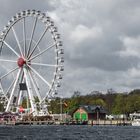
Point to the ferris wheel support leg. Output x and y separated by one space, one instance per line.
20 93
30 92
13 90
27 102
19 100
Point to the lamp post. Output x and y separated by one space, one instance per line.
97 110
61 108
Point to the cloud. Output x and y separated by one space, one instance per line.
101 41
131 46
82 33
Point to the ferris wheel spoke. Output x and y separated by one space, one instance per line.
24 36
42 52
11 48
3 91
4 60
1 49
41 77
10 86
41 37
31 39
35 85
17 40
41 64
46 96
8 73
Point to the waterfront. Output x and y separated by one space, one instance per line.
73 132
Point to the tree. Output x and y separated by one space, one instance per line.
109 99
119 105
1 107
133 103
76 94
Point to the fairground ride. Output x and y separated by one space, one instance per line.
31 62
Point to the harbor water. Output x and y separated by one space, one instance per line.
69 132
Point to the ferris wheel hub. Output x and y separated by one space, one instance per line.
21 62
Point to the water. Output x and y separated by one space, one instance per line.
66 132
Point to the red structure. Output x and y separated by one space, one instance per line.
21 62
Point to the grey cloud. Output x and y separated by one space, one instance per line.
10 8
104 55
91 62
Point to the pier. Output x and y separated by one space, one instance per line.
110 122
92 123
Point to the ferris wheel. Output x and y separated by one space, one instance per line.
31 61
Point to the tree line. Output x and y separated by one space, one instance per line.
113 102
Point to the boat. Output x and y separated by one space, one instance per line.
136 122
135 117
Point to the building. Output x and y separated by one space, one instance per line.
89 112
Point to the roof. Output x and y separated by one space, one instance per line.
93 108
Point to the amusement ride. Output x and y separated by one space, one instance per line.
31 62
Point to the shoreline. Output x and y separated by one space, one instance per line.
92 123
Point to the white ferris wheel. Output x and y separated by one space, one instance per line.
31 61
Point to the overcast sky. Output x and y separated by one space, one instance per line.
101 41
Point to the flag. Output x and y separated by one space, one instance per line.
21 109
65 104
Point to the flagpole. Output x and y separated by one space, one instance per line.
61 108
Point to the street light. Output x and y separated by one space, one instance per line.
61 108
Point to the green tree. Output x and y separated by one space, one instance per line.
119 105
133 103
